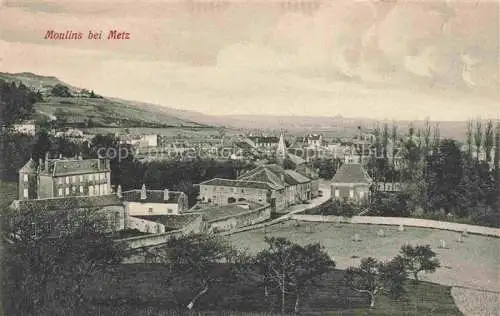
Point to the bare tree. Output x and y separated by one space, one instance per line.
291 268
478 138
375 278
489 140
469 135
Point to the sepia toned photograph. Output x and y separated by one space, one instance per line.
249 157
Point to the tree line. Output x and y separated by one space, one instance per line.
438 177
16 102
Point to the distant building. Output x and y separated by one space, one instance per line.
265 141
148 140
313 140
351 182
153 202
60 177
25 127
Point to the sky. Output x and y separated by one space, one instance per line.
384 59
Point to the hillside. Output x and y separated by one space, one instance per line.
80 109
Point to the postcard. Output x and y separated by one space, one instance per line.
249 157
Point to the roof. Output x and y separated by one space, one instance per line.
351 173
240 184
171 221
265 139
216 213
152 196
66 203
297 160
29 167
263 174
275 174
75 166
297 176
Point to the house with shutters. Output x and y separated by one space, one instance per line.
62 177
352 183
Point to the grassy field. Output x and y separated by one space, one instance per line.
107 112
472 263
150 290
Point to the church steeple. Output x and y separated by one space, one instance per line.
281 150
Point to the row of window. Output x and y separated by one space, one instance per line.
151 210
101 189
82 177
225 189
351 193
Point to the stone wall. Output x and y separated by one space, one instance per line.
249 218
412 222
144 226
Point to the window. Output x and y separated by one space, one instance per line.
60 192
169 211
67 191
242 190
73 189
25 193
67 180
25 177
105 189
91 177
361 194
337 193
150 210
351 193
81 178
60 180
73 179
81 189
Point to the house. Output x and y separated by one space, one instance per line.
61 177
264 141
313 140
25 127
297 187
220 192
153 202
351 182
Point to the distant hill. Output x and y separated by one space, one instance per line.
116 112
100 111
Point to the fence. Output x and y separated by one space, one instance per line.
412 222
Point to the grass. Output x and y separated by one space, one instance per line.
143 289
108 112
472 263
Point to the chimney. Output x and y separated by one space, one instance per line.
119 191
46 162
143 192
166 195
60 156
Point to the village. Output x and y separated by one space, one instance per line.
249 158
